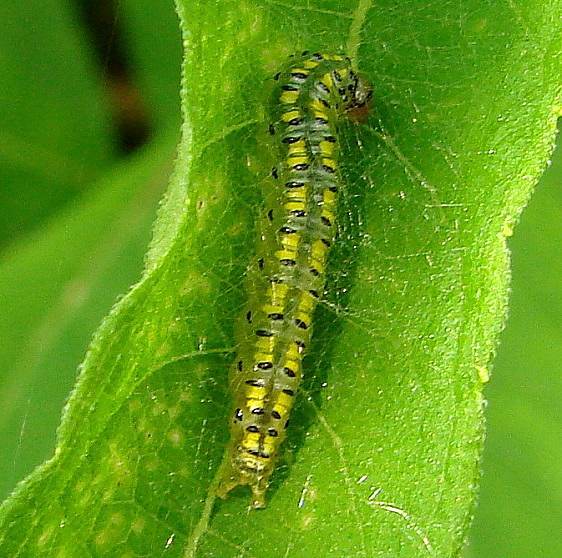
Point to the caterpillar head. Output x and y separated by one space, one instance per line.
361 97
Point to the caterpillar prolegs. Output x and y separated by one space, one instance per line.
311 97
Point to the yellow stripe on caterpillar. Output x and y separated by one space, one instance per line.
289 97
291 115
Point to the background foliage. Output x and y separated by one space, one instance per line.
78 219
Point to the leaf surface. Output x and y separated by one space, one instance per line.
520 504
383 455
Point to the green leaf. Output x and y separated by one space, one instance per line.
383 451
56 285
521 500
56 135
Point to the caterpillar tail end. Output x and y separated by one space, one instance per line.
231 478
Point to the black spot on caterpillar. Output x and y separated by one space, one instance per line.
311 96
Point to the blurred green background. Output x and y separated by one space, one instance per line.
89 107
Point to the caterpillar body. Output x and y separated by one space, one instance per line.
287 278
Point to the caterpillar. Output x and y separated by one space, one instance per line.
287 279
